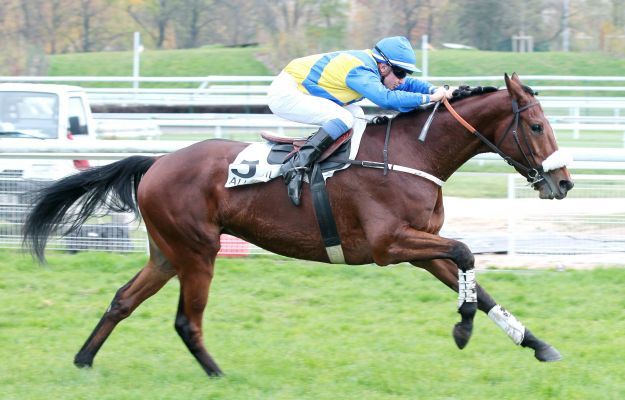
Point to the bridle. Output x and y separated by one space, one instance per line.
534 171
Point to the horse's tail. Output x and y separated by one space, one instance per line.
113 186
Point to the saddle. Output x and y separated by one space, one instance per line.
291 145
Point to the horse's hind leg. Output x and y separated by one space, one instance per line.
147 282
514 328
446 271
195 280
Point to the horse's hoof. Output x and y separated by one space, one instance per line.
547 354
82 363
215 374
212 369
462 335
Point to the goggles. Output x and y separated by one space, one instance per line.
399 72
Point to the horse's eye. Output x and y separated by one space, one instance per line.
537 128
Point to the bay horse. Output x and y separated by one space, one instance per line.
382 218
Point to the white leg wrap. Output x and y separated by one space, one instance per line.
466 287
508 323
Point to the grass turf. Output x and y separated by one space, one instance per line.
283 329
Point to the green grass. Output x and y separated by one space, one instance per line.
185 63
607 139
484 185
245 61
471 63
298 330
480 63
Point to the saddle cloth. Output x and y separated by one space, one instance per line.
260 162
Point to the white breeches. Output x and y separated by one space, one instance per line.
286 101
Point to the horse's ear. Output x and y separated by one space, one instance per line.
507 80
513 84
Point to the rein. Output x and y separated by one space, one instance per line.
535 174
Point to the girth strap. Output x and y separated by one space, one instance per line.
390 167
325 218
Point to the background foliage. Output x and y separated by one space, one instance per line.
32 29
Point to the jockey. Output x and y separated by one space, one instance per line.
321 89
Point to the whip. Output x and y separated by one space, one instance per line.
426 127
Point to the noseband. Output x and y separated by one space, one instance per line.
533 170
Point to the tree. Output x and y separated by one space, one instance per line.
371 20
329 32
409 16
22 44
12 55
288 25
51 23
92 14
237 21
155 17
481 23
192 20
618 14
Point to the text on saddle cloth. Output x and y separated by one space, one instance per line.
253 163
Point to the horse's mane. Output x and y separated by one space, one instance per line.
529 90
462 92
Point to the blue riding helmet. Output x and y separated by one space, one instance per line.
398 51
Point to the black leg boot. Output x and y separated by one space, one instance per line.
294 168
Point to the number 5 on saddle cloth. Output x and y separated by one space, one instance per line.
260 162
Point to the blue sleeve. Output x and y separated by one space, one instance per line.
367 82
416 86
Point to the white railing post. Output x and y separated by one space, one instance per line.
424 56
136 60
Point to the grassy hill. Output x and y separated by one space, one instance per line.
244 61
195 62
461 62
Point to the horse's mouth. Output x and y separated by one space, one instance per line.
547 189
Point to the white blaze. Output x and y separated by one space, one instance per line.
557 160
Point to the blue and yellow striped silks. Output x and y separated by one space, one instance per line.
345 77
325 75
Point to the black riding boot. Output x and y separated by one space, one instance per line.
294 168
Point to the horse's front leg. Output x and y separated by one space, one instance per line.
411 245
445 271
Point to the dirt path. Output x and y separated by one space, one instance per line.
491 216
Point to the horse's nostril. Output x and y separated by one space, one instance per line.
566 185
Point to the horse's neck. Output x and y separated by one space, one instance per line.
457 145
448 144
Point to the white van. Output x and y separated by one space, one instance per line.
33 113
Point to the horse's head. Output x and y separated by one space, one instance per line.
530 142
